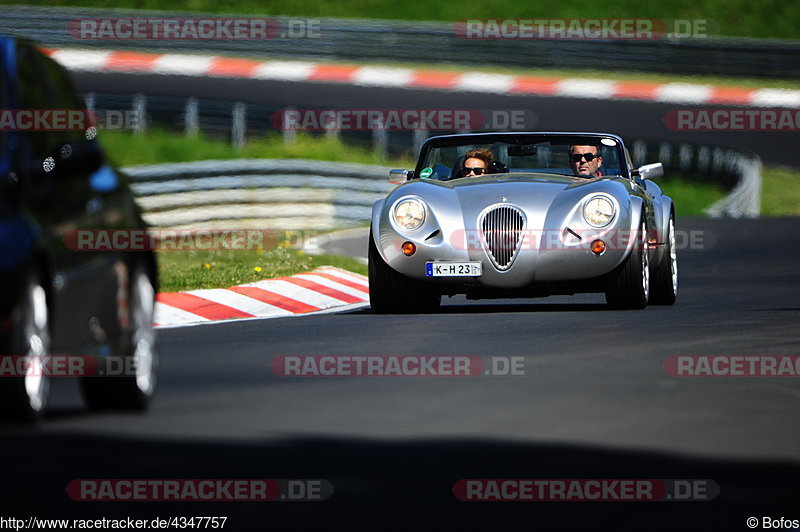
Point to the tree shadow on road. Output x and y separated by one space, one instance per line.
387 484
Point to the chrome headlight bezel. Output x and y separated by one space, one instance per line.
594 222
414 202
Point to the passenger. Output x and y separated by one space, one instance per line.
585 161
477 162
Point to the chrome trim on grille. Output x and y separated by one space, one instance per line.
502 229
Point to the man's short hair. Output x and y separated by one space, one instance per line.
598 148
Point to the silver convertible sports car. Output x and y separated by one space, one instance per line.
520 215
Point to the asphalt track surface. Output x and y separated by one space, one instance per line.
630 119
595 402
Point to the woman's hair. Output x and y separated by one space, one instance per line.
484 154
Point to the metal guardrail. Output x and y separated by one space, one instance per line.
734 170
258 193
299 194
435 42
745 199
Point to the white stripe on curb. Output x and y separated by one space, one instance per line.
379 76
683 93
166 315
283 295
344 274
333 284
239 302
187 65
479 82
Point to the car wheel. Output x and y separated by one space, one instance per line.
664 290
24 398
629 285
394 293
134 389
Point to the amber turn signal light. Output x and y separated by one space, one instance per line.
598 247
409 248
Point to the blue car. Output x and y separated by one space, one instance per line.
62 306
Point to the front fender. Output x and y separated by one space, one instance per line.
377 209
637 208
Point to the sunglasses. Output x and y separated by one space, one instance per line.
576 157
477 170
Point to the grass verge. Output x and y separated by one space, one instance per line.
691 198
125 148
780 192
190 270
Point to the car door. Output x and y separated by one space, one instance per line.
57 164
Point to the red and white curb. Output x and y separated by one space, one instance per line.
375 76
324 289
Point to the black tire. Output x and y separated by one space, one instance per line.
394 293
629 285
134 389
24 398
664 288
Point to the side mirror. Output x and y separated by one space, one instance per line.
649 171
397 177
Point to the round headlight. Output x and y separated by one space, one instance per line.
598 211
409 213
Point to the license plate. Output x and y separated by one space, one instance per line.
452 269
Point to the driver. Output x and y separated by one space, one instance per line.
585 161
476 162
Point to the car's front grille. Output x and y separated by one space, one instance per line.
502 229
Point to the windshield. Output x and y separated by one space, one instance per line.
571 156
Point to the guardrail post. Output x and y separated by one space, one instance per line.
139 113
335 129
191 117
685 156
239 126
289 133
380 140
718 161
639 153
703 159
665 154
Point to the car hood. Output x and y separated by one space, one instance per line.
532 192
